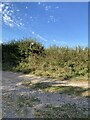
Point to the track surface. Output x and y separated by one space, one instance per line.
12 88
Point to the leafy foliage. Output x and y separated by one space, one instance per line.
29 56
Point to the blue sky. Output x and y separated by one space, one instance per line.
57 23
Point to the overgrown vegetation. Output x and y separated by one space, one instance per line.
30 56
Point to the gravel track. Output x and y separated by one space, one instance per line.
12 87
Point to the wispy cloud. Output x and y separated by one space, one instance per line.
47 8
10 19
8 16
57 7
1 6
39 3
39 36
59 42
42 38
52 19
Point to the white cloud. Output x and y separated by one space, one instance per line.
26 7
42 38
1 7
6 7
54 40
57 42
7 20
33 32
57 7
52 19
21 23
30 17
47 8
39 36
8 16
39 3
17 10
48 21
0 10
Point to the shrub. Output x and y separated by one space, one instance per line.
28 56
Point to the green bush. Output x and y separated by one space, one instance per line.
30 56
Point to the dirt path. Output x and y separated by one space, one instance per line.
20 101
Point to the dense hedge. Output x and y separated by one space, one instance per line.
16 51
30 56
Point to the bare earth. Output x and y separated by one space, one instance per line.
12 87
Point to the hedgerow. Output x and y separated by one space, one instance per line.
30 56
